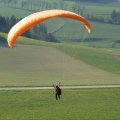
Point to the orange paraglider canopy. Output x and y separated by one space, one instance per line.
36 18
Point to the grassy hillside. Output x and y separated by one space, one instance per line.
100 32
35 66
31 65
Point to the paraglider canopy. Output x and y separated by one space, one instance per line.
36 18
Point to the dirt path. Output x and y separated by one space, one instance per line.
62 87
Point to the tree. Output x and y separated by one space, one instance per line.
74 7
7 24
51 38
55 5
114 16
62 4
34 4
8 2
15 2
27 4
12 21
5 2
23 4
43 4
38 32
27 34
35 29
38 5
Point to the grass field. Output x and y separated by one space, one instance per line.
75 104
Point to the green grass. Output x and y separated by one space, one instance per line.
92 104
104 31
92 56
100 9
100 58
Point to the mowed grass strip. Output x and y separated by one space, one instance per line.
92 104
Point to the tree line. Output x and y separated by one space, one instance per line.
38 5
39 32
35 5
113 18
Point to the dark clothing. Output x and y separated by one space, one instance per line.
57 96
57 92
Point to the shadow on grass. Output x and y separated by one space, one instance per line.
86 40
95 39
